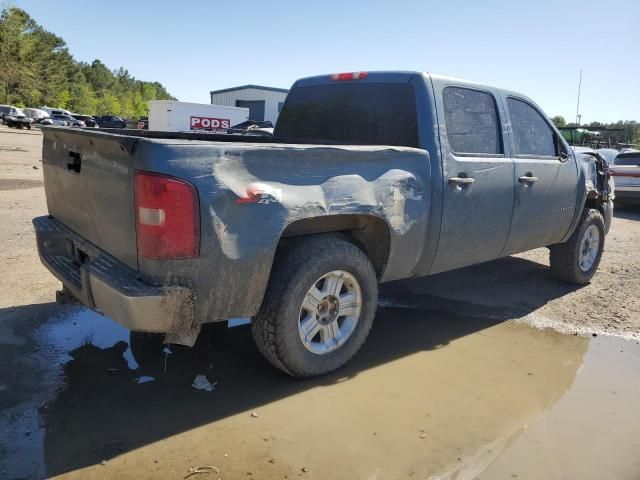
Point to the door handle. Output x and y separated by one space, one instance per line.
462 180
527 179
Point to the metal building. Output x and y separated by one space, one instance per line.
264 103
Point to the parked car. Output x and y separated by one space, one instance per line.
297 230
15 113
4 109
40 117
56 111
111 121
252 127
71 122
35 114
88 120
17 119
140 124
626 172
54 121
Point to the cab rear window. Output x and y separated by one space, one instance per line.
351 113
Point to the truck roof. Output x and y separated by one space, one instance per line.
401 76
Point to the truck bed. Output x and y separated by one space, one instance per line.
89 182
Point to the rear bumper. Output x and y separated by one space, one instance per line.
108 286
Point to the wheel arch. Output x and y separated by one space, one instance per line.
368 232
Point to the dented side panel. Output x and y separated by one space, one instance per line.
250 193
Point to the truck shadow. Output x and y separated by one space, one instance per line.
627 211
104 410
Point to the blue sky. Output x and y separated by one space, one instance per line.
535 47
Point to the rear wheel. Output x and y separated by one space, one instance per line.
318 308
577 260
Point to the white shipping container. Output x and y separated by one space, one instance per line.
174 116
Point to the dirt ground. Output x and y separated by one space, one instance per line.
492 371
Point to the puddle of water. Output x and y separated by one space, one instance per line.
85 327
238 322
430 396
593 431
21 443
435 400
22 433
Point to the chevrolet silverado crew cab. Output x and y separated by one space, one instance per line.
369 177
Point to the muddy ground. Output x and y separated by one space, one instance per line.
487 372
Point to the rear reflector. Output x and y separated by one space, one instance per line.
349 76
167 217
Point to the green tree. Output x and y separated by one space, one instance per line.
37 69
15 72
559 121
108 104
62 99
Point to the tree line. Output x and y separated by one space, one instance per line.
622 131
36 69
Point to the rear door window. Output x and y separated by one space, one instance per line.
471 118
532 135
351 113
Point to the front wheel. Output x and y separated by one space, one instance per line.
577 260
318 308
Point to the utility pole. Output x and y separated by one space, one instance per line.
578 106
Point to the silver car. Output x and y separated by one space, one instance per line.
626 171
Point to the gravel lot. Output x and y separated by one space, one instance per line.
453 363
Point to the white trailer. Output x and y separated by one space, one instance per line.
174 116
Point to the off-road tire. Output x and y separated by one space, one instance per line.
564 257
296 267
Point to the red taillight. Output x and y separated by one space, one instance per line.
349 76
167 217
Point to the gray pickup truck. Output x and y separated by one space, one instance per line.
369 177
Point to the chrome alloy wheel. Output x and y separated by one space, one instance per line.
589 248
330 312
